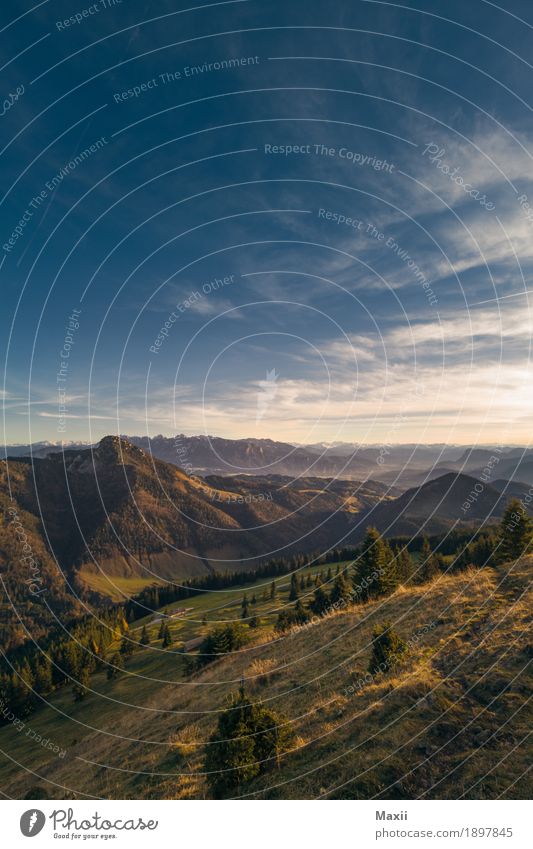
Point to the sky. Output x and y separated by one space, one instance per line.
302 221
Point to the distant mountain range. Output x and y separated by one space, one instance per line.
443 502
402 465
112 519
116 511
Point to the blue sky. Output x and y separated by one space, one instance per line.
207 209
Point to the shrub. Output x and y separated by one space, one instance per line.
248 741
388 649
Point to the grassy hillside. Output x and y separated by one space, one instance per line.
450 721
115 512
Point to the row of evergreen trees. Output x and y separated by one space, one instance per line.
251 738
155 597
68 657
376 571
30 673
379 568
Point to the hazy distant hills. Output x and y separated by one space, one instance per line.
403 466
438 504
113 519
115 511
214 455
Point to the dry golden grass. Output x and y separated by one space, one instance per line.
449 722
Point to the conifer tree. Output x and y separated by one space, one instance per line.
126 647
428 565
387 581
300 613
249 740
145 637
293 592
404 568
515 531
116 665
80 688
273 590
341 591
167 638
370 564
320 602
387 649
43 677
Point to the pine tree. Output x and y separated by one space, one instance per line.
515 531
273 590
161 632
404 566
167 638
80 688
254 600
284 621
43 677
126 647
145 637
300 613
387 649
371 563
21 698
293 592
341 591
429 564
221 640
101 651
249 740
320 602
116 665
387 581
